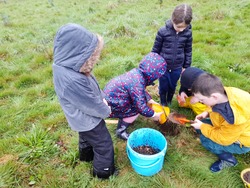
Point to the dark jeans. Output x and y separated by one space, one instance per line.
167 85
99 138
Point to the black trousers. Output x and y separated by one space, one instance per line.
99 138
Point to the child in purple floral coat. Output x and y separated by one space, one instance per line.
127 95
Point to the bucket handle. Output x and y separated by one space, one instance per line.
159 160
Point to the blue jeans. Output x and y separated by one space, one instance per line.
219 149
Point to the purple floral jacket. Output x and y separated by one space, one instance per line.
127 95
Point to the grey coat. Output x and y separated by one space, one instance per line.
80 96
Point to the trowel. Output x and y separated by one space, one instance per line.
179 119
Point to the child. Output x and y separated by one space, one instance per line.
76 50
185 98
174 43
127 95
228 129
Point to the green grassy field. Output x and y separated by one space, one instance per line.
38 149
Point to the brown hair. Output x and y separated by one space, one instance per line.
88 66
182 13
207 84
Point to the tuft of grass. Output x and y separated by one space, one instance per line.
121 31
9 176
38 143
6 20
26 81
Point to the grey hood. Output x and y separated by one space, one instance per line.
79 95
73 45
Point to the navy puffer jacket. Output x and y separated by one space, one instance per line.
175 48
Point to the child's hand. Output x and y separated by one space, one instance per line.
202 115
196 124
104 100
156 116
182 98
151 101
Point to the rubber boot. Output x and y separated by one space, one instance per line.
121 131
163 100
225 160
105 173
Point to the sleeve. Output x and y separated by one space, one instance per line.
222 133
188 52
139 97
103 94
82 96
148 96
158 43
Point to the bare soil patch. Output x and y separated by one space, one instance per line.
6 158
169 128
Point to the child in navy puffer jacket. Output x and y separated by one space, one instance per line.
127 95
174 43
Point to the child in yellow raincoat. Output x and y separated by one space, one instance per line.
225 128
185 98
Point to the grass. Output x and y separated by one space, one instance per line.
38 149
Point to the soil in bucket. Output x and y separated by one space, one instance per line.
146 150
246 177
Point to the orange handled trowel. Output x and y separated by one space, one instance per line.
179 119
184 120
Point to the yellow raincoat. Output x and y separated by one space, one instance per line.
224 133
197 108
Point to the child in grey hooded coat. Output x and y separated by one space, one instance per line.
76 50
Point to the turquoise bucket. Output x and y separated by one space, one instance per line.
146 165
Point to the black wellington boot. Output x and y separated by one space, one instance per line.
121 131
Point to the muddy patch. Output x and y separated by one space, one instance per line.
170 129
